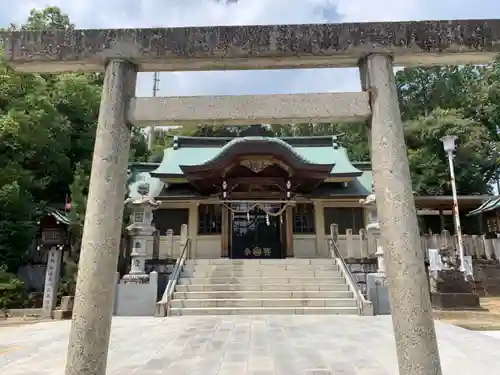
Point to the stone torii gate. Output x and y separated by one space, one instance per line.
373 47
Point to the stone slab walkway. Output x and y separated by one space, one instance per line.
238 345
495 334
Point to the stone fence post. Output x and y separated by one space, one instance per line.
170 243
184 239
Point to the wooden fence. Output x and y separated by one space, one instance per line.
363 245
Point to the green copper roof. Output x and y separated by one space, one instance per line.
59 215
198 150
489 205
358 186
191 152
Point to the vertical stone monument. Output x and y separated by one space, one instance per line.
376 285
51 280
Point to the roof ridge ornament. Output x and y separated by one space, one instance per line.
335 143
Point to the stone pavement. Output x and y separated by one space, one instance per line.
492 334
234 345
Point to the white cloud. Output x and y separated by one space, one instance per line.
171 13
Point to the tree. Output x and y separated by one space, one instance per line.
429 167
11 290
18 213
473 91
78 195
48 18
47 133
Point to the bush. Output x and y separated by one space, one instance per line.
67 283
12 292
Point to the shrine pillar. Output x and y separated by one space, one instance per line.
95 288
414 331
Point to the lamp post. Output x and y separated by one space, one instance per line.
449 147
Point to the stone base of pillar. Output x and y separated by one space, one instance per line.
66 310
136 278
455 301
450 290
378 293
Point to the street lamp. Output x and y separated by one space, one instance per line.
449 147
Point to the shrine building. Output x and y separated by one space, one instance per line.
264 197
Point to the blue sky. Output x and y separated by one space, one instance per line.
157 13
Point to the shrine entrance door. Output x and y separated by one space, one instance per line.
256 235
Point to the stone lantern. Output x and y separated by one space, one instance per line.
376 284
141 231
373 228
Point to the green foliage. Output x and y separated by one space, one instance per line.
67 283
430 171
48 122
47 133
463 101
12 293
78 190
18 215
49 18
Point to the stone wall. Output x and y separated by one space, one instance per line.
360 268
33 276
304 246
133 299
449 281
487 277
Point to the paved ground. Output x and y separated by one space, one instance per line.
268 345
495 334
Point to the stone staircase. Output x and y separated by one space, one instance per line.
271 286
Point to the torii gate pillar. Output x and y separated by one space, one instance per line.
95 288
411 310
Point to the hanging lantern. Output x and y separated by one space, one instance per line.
224 188
281 219
288 188
248 215
268 221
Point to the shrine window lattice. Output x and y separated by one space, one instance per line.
346 218
209 219
172 218
51 235
303 219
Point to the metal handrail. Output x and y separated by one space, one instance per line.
335 253
174 277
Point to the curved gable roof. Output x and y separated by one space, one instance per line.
196 151
258 146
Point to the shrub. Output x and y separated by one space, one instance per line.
12 292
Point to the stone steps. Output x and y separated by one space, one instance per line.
256 262
265 311
236 294
264 267
267 286
260 280
260 287
275 273
247 302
